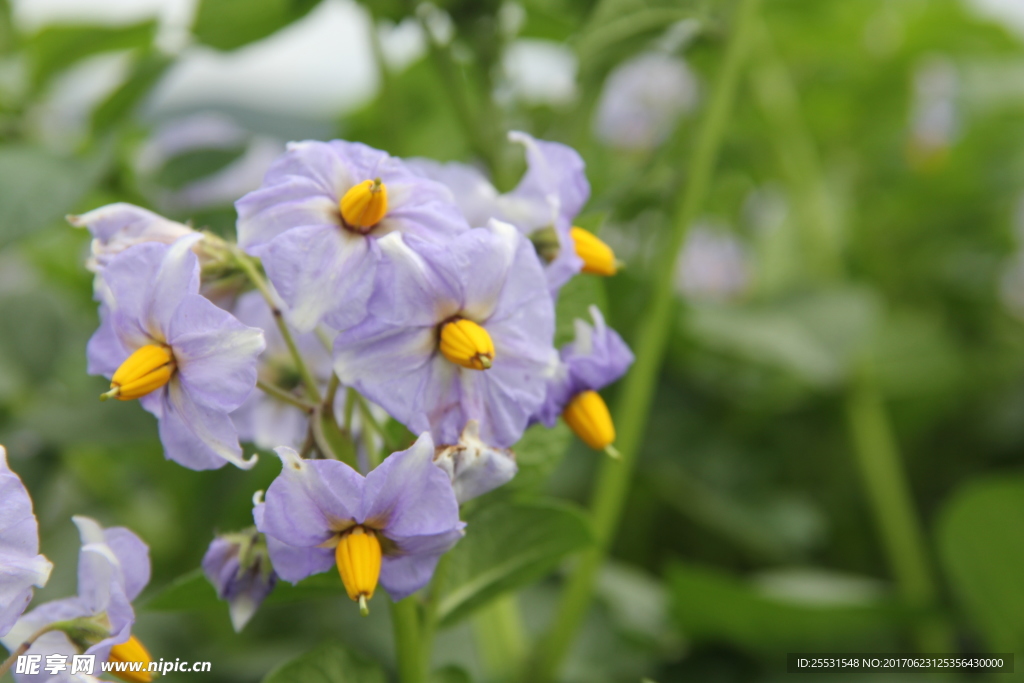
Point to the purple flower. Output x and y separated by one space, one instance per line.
116 227
490 278
113 568
642 100
316 221
542 207
314 507
239 568
189 362
21 565
474 467
595 359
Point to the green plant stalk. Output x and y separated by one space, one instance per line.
875 447
429 629
405 622
253 273
498 631
283 396
641 382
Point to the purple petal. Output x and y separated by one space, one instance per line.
194 436
116 227
476 197
555 174
598 356
418 282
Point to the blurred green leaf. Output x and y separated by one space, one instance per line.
188 592
228 24
450 674
617 21
57 47
712 606
574 302
538 454
38 188
33 331
328 663
123 101
185 168
507 547
981 544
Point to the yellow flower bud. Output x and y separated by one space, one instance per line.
598 257
364 205
358 557
146 370
132 651
465 343
587 415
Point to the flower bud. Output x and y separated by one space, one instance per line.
587 415
465 343
145 371
238 566
132 651
358 556
598 257
365 205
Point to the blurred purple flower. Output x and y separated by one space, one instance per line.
406 501
473 466
642 100
239 568
712 266
595 359
113 568
323 267
155 302
542 206
489 276
21 565
115 227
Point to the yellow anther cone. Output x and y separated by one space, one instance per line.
365 205
587 415
465 343
146 370
132 651
358 556
598 257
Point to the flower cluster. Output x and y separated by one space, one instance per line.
113 568
362 290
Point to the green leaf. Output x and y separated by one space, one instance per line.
188 592
57 47
712 606
982 547
574 302
450 674
507 547
38 188
185 168
228 24
538 454
330 662
122 102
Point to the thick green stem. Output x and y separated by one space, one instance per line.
498 631
889 494
406 625
640 384
429 629
253 273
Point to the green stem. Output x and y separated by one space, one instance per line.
639 386
430 610
282 395
889 493
498 631
405 622
252 272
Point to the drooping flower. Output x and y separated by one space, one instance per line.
316 221
21 565
473 466
238 566
115 227
642 100
392 525
455 333
113 568
190 363
542 206
595 359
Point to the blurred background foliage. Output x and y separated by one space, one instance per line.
854 286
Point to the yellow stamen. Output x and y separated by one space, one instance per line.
588 416
358 557
465 343
132 651
365 205
598 257
146 370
